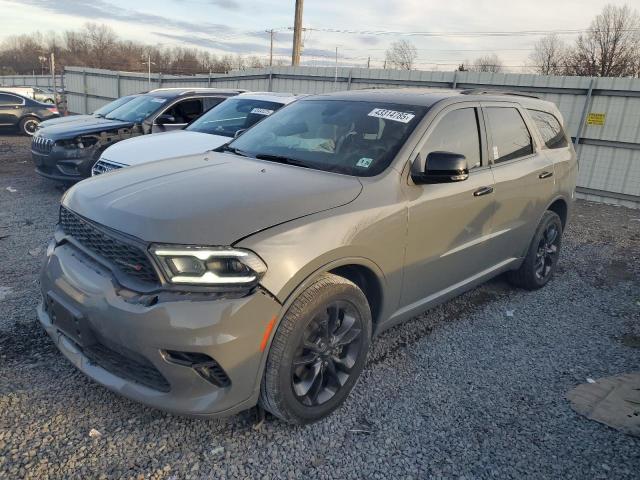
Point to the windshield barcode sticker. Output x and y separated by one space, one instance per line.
402 117
261 111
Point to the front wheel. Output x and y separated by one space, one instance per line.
29 125
542 257
318 351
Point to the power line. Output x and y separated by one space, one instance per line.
459 34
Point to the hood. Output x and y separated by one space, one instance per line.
207 199
68 119
73 129
159 146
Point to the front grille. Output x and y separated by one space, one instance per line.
140 371
103 166
129 259
41 145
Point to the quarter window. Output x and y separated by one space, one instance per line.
457 132
511 138
9 99
550 129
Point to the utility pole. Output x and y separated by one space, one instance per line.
271 33
297 34
368 62
335 79
53 76
149 67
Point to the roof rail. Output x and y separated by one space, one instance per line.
484 91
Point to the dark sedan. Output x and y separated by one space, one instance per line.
24 113
68 151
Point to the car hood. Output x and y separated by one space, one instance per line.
73 129
67 120
207 199
159 146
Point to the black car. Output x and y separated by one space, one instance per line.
24 113
102 112
67 152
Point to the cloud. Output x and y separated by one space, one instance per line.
227 4
96 10
239 47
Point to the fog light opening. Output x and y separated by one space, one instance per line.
202 364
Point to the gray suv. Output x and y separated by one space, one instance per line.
259 273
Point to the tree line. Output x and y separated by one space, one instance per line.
610 47
98 46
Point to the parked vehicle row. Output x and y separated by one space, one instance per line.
231 268
67 152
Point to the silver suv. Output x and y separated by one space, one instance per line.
259 273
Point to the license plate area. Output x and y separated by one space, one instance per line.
69 320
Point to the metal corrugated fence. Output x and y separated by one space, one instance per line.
28 81
603 114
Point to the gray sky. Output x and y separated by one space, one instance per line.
238 26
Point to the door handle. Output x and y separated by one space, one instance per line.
483 191
545 175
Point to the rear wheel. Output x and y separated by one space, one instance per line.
29 125
542 256
318 351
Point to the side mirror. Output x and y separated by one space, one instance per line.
440 167
165 118
239 132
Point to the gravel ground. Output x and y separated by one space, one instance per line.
475 388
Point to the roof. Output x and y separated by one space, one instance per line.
429 96
279 97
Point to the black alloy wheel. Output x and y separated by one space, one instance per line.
329 349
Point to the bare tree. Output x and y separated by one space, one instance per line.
611 46
488 63
402 55
549 56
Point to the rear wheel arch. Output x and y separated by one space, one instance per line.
561 208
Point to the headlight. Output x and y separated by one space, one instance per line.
217 266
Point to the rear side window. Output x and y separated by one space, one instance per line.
9 99
550 129
457 132
511 138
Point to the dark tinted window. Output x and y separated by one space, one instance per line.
6 99
511 138
550 129
186 111
457 132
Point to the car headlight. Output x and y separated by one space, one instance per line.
217 266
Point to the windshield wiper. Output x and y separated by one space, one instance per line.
282 159
227 148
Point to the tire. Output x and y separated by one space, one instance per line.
331 310
29 125
542 257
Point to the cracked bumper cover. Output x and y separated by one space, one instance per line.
228 330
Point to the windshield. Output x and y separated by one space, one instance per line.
350 137
137 109
232 115
111 106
